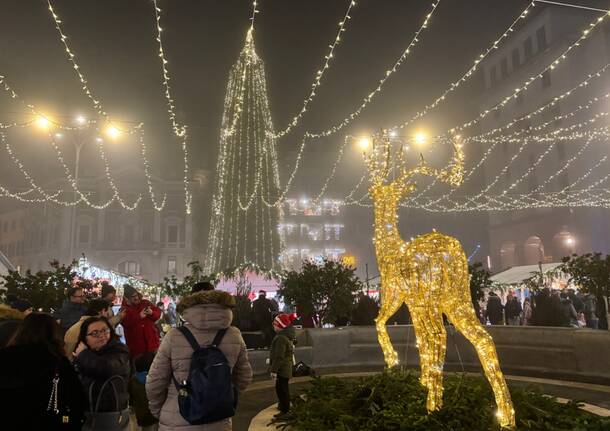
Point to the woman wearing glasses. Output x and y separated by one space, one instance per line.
104 367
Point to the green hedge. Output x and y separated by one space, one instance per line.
395 400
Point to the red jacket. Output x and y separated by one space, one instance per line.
141 335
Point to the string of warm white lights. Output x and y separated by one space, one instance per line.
113 187
524 86
347 120
19 165
97 104
544 108
470 72
483 137
151 192
180 130
320 73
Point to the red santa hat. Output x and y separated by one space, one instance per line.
282 321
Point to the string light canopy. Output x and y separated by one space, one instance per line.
242 228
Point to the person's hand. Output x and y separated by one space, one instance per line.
143 313
273 376
81 346
122 313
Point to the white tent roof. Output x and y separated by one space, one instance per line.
5 264
517 274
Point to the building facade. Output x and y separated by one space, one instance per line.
144 242
313 231
530 236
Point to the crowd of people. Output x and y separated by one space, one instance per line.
546 308
70 370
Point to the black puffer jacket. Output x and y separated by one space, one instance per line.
26 377
95 367
69 314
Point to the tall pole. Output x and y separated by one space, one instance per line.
78 145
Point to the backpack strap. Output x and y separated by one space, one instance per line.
189 337
219 336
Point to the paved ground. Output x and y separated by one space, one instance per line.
261 395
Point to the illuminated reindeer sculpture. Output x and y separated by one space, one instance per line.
429 274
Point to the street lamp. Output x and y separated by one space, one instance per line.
364 144
80 120
112 131
420 138
43 122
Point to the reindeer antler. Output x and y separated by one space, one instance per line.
453 174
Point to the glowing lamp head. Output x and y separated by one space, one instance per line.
570 241
113 132
364 144
80 120
393 134
420 138
43 122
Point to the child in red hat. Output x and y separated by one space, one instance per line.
281 358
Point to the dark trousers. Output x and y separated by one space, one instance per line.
283 394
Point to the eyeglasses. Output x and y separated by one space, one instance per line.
99 333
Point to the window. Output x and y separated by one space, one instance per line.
507 254
528 48
516 58
84 234
171 265
129 268
546 79
504 68
541 38
533 250
172 234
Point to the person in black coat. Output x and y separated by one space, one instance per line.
33 358
99 355
495 309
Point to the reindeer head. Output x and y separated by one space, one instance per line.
391 180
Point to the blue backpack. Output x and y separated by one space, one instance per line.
208 395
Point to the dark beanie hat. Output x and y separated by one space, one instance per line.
21 304
107 288
129 291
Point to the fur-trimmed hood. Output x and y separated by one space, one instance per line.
9 313
206 297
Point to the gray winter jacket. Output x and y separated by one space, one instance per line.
205 313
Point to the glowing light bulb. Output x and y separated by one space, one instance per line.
364 144
113 132
80 120
43 122
420 138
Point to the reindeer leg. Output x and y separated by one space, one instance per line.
431 339
390 303
465 320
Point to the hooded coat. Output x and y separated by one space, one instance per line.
205 313
10 319
141 334
281 355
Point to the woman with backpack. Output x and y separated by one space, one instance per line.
206 334
39 389
104 367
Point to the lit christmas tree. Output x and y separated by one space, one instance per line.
244 224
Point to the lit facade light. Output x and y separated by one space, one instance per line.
81 120
58 136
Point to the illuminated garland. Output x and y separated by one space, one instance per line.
179 130
320 73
